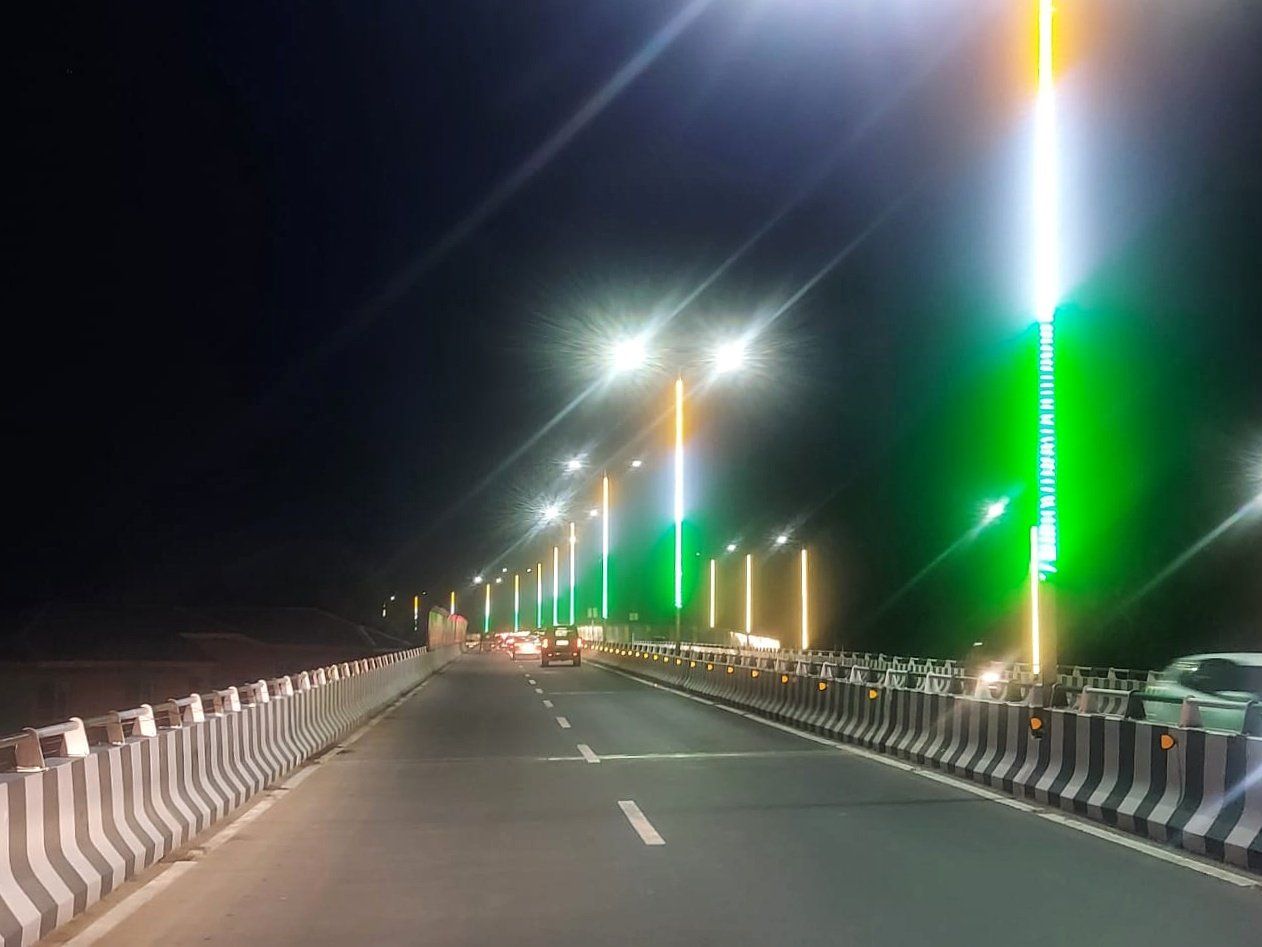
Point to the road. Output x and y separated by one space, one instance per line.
470 815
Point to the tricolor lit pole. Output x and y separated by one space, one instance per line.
416 613
573 548
453 601
555 585
806 596
1044 546
713 576
679 501
539 595
604 548
516 601
486 611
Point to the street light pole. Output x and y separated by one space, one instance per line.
539 596
556 585
516 601
604 548
573 545
749 596
679 502
806 621
486 612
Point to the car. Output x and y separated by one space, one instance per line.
1226 681
523 646
561 644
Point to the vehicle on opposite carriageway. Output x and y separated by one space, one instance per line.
1228 683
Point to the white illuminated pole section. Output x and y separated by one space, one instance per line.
556 585
486 611
1044 545
573 545
806 626
679 500
749 596
713 575
539 595
604 549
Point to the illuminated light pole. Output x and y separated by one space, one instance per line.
749 596
453 601
604 548
806 622
416 613
486 611
539 595
1035 630
573 549
1044 551
516 601
713 576
556 585
679 501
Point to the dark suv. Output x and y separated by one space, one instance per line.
561 644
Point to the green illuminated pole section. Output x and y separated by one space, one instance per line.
679 500
486 611
556 585
539 595
1044 549
573 549
516 601
604 548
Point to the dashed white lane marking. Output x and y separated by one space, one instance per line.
1111 835
563 723
538 690
547 703
95 931
643 827
588 754
531 680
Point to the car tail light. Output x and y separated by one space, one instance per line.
578 642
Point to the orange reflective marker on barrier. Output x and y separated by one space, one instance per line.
873 693
654 657
679 660
730 669
692 664
709 667
1167 741
784 678
823 686
753 673
1036 725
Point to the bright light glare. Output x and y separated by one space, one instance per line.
729 356
781 539
731 547
574 464
990 677
628 355
499 579
504 570
593 513
637 463
551 513
478 580
994 510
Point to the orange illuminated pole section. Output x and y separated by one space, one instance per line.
749 596
453 602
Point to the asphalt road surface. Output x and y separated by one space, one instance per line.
473 815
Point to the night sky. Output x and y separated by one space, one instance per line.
289 285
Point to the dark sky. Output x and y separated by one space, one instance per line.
288 284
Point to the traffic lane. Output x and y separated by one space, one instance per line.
833 847
615 714
480 707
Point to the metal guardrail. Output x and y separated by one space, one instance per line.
30 750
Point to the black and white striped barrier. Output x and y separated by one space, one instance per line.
77 819
1186 786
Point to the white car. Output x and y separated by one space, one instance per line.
1228 682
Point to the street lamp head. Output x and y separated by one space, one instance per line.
637 463
731 547
551 513
505 569
477 580
782 539
499 579
628 355
593 512
994 510
574 464
729 356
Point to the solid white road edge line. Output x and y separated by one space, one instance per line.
1118 837
148 890
130 905
643 827
563 723
588 754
